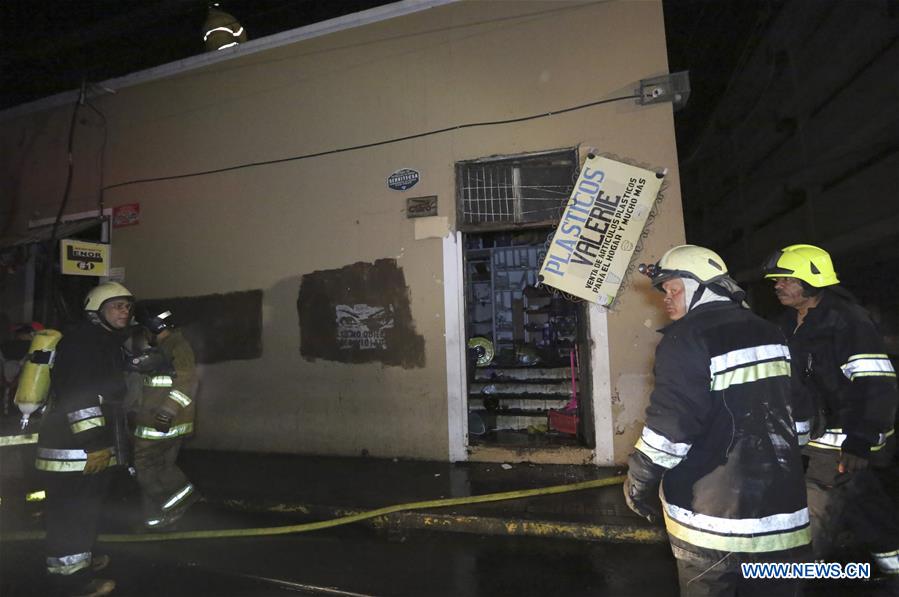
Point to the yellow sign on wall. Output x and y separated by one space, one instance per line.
600 228
82 258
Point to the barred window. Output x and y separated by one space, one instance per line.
510 192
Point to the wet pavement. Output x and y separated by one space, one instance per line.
515 547
359 561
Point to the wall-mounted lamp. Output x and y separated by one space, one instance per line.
674 87
222 30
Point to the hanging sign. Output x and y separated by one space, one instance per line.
82 258
602 223
403 179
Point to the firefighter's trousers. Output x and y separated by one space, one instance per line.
854 509
163 485
698 578
73 507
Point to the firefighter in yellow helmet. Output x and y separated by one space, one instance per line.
77 438
164 419
851 381
719 436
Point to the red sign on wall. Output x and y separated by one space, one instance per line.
126 215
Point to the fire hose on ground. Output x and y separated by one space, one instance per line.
631 534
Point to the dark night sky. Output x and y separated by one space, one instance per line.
48 46
710 39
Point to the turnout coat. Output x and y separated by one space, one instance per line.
721 438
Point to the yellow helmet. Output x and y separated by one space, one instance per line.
808 263
688 261
103 292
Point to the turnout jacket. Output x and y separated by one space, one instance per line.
846 370
720 435
171 390
87 384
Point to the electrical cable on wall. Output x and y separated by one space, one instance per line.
101 155
370 145
49 278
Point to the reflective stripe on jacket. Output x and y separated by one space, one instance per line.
720 434
86 381
171 391
64 461
846 370
144 432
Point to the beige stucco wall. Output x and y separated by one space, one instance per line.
264 227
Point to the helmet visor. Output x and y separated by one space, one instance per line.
773 269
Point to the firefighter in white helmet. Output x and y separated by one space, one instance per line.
164 419
845 369
77 439
719 435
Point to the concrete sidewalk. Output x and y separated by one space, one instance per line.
312 488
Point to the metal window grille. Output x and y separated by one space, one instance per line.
524 190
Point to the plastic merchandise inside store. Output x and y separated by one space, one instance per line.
524 346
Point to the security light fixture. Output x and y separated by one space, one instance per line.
673 87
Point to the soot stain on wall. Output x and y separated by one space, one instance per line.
219 327
359 313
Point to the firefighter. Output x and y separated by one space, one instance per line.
719 435
164 419
846 370
76 445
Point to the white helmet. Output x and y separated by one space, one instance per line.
689 261
106 291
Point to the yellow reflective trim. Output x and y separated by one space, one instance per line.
18 440
178 497
145 432
88 424
814 444
888 562
834 438
741 543
867 366
36 496
180 397
883 443
749 374
663 459
873 355
158 381
65 466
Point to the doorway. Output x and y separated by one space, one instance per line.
526 359
524 354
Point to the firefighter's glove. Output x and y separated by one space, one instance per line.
818 425
97 461
854 455
851 463
642 500
163 421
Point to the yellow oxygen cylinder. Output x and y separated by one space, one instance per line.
34 379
